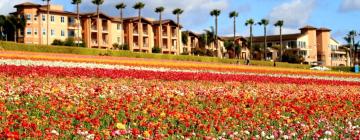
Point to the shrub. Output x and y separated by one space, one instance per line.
57 42
343 69
156 49
124 47
69 42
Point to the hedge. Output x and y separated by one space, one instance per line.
121 53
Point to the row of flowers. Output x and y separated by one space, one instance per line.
169 64
104 108
20 62
12 70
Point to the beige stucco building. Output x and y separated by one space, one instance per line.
315 45
100 33
62 24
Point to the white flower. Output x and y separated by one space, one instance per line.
54 132
263 134
90 137
328 133
247 132
286 137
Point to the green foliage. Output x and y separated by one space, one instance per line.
343 69
184 37
69 42
119 53
121 47
57 42
156 49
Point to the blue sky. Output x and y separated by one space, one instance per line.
338 15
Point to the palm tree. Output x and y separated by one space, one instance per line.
351 36
216 13
160 10
264 22
98 3
77 2
234 15
2 25
121 7
280 24
250 23
178 12
47 20
139 6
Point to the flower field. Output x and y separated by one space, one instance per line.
57 97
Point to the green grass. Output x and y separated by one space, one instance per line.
118 53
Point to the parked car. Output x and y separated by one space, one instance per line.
320 68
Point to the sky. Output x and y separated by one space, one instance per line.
339 15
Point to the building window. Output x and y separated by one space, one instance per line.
52 32
28 17
118 26
52 18
44 31
62 19
303 53
35 31
28 31
71 33
62 33
43 18
35 18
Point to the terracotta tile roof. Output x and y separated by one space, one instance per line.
324 29
308 27
157 22
274 38
27 4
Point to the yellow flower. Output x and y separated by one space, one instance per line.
146 134
120 126
162 115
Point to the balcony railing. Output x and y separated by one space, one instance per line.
135 32
145 32
93 28
164 34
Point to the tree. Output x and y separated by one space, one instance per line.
234 15
77 3
264 23
17 23
250 23
2 26
159 10
280 24
138 6
178 12
121 7
215 13
47 20
98 3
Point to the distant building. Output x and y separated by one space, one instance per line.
102 33
315 45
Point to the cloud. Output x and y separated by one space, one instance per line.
349 5
295 14
195 13
7 6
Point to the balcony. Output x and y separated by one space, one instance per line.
94 42
93 28
136 46
105 29
135 32
146 32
